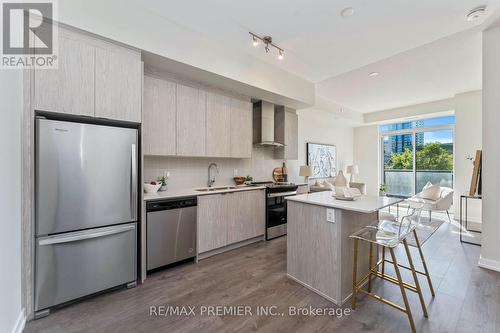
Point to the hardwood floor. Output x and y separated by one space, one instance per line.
467 297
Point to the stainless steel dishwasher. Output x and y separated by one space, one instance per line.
171 231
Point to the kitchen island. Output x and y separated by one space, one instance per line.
319 251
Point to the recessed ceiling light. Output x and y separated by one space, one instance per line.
476 14
373 74
347 12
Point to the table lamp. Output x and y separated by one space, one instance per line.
306 171
353 170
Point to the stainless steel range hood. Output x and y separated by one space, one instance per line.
264 125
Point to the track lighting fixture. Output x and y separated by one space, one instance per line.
267 41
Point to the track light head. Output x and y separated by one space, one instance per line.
255 41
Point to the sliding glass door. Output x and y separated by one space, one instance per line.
398 164
415 153
434 158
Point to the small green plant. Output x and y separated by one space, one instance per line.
249 178
163 180
382 187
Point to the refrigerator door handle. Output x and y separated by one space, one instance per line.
133 184
58 239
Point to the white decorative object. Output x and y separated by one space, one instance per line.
352 170
323 159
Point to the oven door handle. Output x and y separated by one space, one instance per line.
281 194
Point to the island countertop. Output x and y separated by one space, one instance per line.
362 204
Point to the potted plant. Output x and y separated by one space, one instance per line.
248 179
382 189
163 181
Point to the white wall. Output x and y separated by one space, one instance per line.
314 126
10 200
468 139
490 238
320 126
367 157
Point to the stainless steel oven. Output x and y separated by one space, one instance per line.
276 210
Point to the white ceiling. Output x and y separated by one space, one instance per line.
320 45
432 72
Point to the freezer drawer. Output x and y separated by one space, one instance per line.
171 236
72 265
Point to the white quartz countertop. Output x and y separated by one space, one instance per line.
171 194
362 204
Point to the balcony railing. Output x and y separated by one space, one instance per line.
400 182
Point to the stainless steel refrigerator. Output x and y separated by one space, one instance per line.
86 210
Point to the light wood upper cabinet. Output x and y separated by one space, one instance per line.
191 121
212 221
118 84
69 88
94 78
286 131
218 125
159 117
241 128
247 215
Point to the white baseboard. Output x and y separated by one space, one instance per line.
20 322
489 264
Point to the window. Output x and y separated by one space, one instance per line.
417 152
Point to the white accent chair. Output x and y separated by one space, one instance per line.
443 203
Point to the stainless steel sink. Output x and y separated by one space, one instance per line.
220 188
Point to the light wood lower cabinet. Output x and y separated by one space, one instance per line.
212 221
248 215
225 219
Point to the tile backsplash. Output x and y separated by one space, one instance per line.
191 172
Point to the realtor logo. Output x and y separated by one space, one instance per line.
28 35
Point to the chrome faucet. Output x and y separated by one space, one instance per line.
211 179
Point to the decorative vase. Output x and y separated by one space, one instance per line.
340 180
381 193
163 188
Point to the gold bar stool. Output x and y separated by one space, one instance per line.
388 235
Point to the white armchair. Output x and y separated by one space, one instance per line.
442 203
